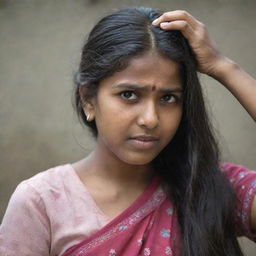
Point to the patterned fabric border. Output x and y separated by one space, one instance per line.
156 199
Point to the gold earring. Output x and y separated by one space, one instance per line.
88 118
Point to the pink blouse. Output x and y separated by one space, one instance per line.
52 211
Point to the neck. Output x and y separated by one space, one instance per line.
105 165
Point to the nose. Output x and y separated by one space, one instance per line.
148 116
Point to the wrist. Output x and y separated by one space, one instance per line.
223 68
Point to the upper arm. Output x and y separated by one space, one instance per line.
243 182
25 229
253 215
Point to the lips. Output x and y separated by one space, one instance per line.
145 138
144 142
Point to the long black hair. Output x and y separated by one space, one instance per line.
189 164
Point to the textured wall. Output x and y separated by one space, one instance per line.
40 44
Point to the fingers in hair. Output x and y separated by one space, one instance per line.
181 25
175 16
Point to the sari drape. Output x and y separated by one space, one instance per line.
147 227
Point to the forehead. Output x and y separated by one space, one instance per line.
150 69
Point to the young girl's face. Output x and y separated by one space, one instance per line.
145 99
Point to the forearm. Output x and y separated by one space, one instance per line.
238 82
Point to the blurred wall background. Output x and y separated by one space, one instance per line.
40 44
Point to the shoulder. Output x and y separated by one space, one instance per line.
42 182
29 212
49 205
235 171
41 189
47 180
241 178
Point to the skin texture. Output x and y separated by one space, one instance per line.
143 114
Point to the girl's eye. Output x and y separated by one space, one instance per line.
169 98
128 95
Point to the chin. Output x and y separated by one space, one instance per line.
137 160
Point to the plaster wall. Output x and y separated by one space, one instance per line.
40 44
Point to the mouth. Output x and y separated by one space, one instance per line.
144 142
145 138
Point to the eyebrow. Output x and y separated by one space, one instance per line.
146 88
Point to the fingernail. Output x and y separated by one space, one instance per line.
155 22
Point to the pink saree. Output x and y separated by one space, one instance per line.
147 227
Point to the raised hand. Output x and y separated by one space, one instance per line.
204 48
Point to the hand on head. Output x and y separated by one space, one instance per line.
204 48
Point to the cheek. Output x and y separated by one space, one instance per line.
112 108
172 122
113 118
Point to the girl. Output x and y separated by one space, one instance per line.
154 184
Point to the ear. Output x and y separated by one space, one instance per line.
87 102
